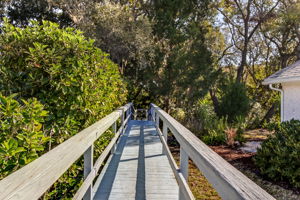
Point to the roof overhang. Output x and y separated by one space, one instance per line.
268 81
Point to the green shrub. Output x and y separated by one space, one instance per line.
205 114
234 102
21 137
213 129
210 127
272 125
179 114
215 132
240 136
214 138
73 80
240 125
279 156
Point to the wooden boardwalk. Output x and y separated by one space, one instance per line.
138 169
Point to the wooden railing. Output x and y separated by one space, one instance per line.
230 183
34 179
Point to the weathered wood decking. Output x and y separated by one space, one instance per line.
138 169
142 166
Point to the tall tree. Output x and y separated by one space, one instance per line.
184 65
283 32
243 19
20 12
128 39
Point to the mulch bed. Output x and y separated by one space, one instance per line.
232 155
244 162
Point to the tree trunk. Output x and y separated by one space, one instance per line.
214 100
240 71
269 114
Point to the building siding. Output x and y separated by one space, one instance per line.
291 101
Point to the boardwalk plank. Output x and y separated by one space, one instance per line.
138 169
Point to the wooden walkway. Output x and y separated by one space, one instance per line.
138 169
141 167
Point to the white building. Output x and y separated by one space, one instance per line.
289 78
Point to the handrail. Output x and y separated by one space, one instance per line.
230 183
185 191
32 180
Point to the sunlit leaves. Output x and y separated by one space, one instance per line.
43 67
21 136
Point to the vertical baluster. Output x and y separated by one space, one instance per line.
88 167
157 119
122 121
125 116
165 134
149 114
127 112
114 130
152 114
184 169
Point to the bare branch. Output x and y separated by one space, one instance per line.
263 19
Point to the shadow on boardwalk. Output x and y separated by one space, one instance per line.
138 169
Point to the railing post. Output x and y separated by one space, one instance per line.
88 167
122 121
146 114
127 112
114 130
157 119
165 134
135 114
184 169
130 112
150 114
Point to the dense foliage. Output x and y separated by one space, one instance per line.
75 81
21 133
210 128
234 102
54 83
184 69
278 157
129 40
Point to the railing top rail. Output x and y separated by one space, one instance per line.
32 180
229 182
